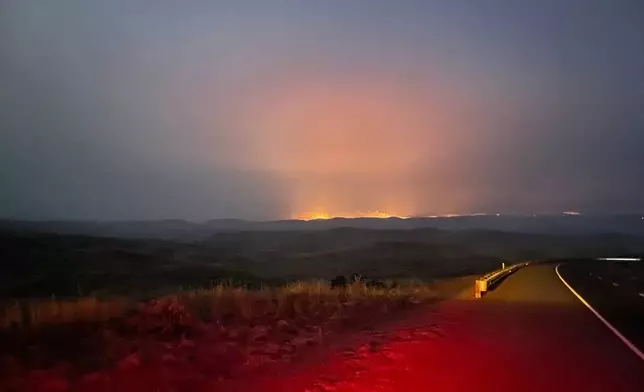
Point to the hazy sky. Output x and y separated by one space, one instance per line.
274 109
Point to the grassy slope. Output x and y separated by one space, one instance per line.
208 335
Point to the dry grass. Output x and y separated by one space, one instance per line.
37 313
300 299
215 333
222 302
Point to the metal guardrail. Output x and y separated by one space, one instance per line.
487 281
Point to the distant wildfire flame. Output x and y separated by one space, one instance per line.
378 214
355 214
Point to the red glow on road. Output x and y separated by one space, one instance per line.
457 346
466 346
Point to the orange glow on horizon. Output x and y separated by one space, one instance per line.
318 215
356 214
357 147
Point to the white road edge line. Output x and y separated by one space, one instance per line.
641 294
601 318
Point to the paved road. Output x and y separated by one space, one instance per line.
529 334
573 346
615 290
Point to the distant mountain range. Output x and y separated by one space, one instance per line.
632 224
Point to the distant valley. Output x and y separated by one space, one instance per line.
175 229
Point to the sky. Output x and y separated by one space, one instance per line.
197 110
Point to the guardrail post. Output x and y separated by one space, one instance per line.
480 286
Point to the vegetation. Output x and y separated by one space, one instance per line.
216 333
37 313
220 302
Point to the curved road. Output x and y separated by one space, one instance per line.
529 334
574 347
615 290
